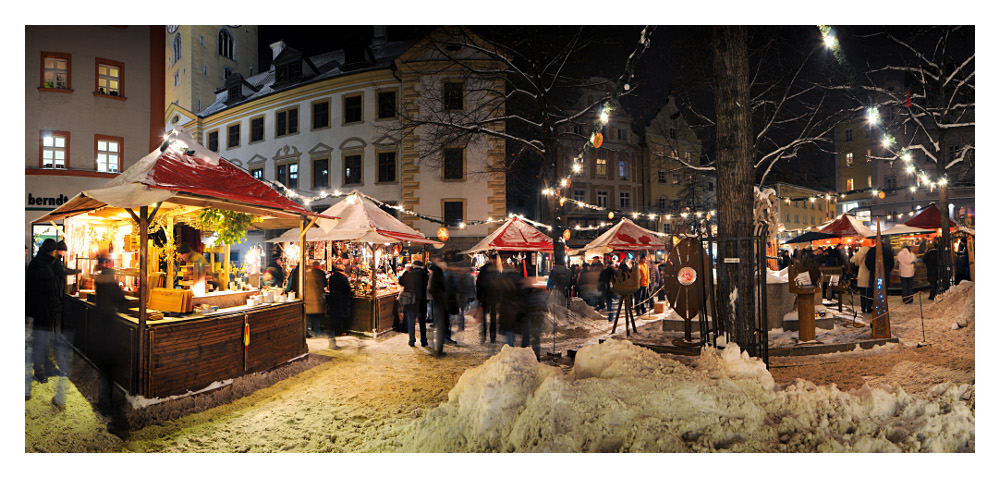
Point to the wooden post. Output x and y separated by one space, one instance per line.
302 287
170 256
226 267
143 294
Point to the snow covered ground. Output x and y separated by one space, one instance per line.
381 395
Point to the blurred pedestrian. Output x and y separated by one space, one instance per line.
109 300
511 303
338 301
604 285
558 283
437 289
643 293
930 260
414 301
315 299
588 284
887 265
489 296
863 274
466 293
43 311
533 301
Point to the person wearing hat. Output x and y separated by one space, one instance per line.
59 266
43 309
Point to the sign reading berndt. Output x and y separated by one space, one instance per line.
47 201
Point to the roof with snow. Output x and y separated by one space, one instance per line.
186 172
330 65
625 236
514 235
928 218
357 218
845 225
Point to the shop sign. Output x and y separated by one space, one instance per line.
46 201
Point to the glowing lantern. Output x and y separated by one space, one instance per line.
566 235
597 140
442 234
881 194
611 215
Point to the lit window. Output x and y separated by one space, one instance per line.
849 159
257 173
109 154
623 170
602 168
55 71
869 182
110 78
849 184
54 148
321 173
287 174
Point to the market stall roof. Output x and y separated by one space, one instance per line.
357 218
183 172
811 236
928 218
514 235
625 236
845 226
900 229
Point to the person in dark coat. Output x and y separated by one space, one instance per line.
414 280
109 300
559 283
437 288
887 264
338 302
59 266
43 308
962 271
293 281
511 303
604 285
533 301
277 274
314 298
587 284
488 296
930 260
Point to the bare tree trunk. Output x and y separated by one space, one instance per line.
945 258
734 154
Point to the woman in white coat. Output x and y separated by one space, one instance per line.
865 291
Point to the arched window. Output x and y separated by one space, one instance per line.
175 49
227 44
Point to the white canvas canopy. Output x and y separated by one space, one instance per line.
514 235
625 236
360 220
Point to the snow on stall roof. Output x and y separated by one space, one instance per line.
619 397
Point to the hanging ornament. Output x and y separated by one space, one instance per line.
597 139
442 234
881 194
566 235
611 215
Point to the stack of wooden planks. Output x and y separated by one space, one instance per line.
170 300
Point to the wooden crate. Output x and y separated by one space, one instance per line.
169 300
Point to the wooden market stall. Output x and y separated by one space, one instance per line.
360 228
514 236
175 341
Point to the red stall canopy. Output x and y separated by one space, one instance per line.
517 236
625 236
845 226
928 218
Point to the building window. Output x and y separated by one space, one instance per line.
213 141
869 182
257 172
661 203
108 153
321 173
849 160
673 133
454 212
177 77
796 218
661 175
453 95
675 178
387 167
55 150
849 184
788 218
175 49
110 78
287 72
56 70
386 104
624 199
227 44
602 168
622 134
953 152
321 114
579 194
666 228
848 135
352 169
198 105
287 174
454 164
201 39
233 136
602 198
257 129
623 170
286 121
352 109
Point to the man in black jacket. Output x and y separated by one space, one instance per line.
488 296
338 302
414 281
887 263
930 260
437 288
604 285
43 308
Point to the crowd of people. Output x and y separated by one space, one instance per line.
858 262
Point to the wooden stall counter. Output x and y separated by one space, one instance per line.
374 317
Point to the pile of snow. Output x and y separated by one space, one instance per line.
619 397
959 302
777 276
